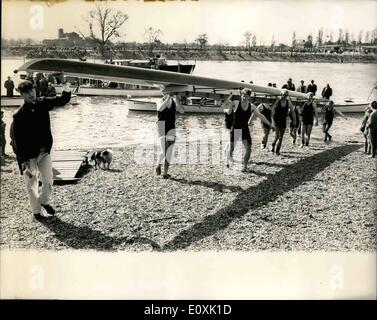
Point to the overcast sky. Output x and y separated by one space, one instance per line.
223 21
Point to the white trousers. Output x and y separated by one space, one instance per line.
40 169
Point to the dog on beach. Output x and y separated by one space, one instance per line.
104 157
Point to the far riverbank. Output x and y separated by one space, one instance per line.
213 55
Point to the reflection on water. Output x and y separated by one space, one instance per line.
104 122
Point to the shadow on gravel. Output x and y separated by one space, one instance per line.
85 238
288 178
214 185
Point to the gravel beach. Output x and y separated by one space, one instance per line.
321 198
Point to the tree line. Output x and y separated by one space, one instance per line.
104 35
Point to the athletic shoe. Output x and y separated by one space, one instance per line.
166 176
38 217
49 209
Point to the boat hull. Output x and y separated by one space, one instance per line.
352 107
15 101
92 91
146 106
137 105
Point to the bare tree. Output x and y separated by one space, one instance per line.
247 36
104 24
374 36
331 38
360 37
254 41
346 37
294 40
273 42
340 36
202 40
367 37
152 35
320 37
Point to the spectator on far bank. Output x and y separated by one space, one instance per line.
302 87
9 85
312 87
51 92
289 85
327 92
43 86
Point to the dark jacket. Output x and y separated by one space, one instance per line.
326 93
31 129
9 85
312 88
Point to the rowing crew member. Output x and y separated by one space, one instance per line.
166 130
329 112
280 110
32 142
241 111
265 109
308 112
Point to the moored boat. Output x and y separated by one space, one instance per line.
193 105
351 107
17 101
14 101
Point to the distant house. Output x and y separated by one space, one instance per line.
300 44
331 48
65 39
368 48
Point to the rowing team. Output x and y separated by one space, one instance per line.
239 112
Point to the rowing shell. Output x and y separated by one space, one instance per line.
185 84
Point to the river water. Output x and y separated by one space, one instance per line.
98 122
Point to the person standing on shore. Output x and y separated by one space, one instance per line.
32 142
280 111
308 112
9 85
166 130
312 87
364 130
294 124
240 112
371 126
302 87
265 109
327 92
2 132
329 112
43 86
289 85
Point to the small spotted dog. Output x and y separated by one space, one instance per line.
102 157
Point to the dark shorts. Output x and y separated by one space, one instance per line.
308 122
245 135
281 124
